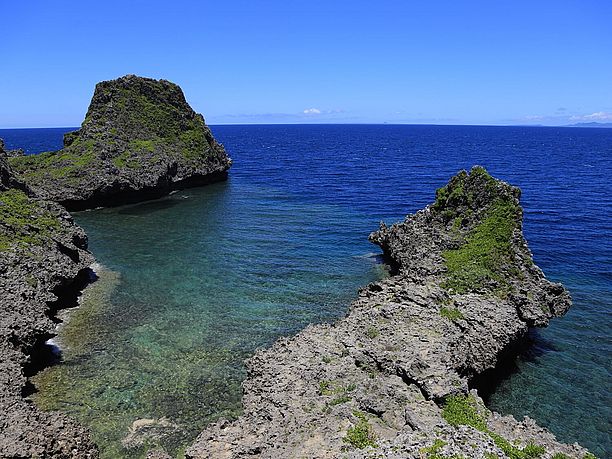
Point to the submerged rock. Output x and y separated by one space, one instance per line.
140 139
392 379
43 262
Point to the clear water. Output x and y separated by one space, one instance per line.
207 275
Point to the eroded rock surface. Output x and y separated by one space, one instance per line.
7 177
43 259
392 378
140 139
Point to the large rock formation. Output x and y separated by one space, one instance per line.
392 379
43 262
140 139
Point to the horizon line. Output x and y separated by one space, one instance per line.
576 125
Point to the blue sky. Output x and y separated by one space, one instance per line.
443 62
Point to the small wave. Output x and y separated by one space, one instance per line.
368 255
54 345
97 267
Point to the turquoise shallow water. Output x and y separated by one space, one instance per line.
207 275
201 288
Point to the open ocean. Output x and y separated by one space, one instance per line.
209 274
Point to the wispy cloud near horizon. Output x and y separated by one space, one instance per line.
308 115
597 116
561 119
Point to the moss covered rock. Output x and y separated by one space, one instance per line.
140 139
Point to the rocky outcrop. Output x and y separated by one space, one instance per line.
140 140
7 177
43 263
10 153
392 379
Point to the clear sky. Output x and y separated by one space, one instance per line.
321 61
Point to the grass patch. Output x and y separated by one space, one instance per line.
62 165
24 222
486 250
432 452
372 332
140 145
340 400
480 261
328 388
361 434
452 314
462 410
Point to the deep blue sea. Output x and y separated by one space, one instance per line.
207 275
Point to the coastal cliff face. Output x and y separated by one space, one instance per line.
392 379
43 262
140 140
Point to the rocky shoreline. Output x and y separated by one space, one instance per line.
139 140
392 379
44 263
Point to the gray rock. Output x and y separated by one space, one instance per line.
376 383
43 262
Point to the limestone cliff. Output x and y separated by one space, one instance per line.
392 379
140 139
43 261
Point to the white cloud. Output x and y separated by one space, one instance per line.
597 116
312 111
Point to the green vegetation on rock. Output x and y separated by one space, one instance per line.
433 451
372 332
23 221
463 410
339 390
361 434
486 250
60 165
452 314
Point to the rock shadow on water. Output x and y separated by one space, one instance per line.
149 207
530 349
